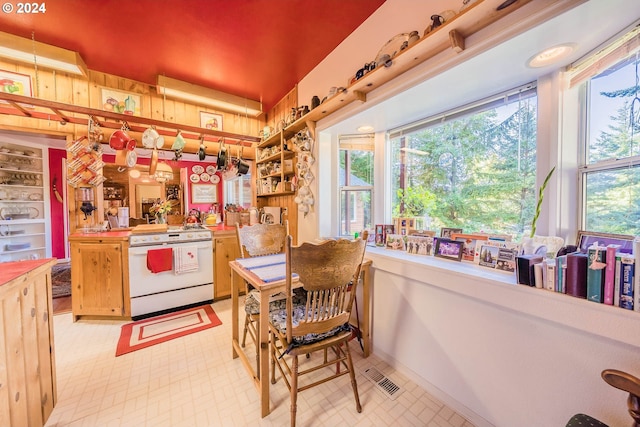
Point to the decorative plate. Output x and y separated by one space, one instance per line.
393 46
215 179
194 177
197 169
204 177
211 169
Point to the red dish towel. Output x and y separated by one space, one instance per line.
159 260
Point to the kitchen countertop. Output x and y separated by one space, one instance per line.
12 270
122 234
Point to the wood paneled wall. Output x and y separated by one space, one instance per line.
87 92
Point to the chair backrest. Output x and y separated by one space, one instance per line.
326 271
261 239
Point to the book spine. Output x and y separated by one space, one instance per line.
551 275
577 275
627 279
561 270
537 273
616 282
595 275
610 273
636 282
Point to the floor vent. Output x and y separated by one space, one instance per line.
383 384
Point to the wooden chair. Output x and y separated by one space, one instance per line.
325 270
258 240
623 381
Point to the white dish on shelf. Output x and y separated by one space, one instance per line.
197 169
17 246
215 179
211 169
194 178
204 177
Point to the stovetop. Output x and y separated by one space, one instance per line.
174 234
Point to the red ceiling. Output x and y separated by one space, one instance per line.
258 49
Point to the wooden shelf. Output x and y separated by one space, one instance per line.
449 36
277 157
279 193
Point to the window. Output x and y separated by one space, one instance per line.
610 167
238 191
356 183
473 168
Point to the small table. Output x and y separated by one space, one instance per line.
270 279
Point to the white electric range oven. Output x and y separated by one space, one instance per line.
165 291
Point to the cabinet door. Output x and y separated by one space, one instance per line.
225 249
97 279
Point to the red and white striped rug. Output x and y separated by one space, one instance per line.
145 333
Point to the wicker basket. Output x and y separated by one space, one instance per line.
231 218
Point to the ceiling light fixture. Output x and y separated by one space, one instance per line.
173 88
365 129
551 55
46 56
163 173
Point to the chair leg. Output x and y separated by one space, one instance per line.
354 384
294 389
257 324
246 326
273 358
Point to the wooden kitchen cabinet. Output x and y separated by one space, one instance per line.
99 278
225 249
27 359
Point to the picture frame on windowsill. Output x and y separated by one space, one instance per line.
587 238
470 242
446 232
449 249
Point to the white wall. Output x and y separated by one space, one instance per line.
502 354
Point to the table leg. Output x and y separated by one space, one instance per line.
234 312
264 354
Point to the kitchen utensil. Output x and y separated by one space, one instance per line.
154 162
119 140
179 142
131 144
222 156
243 166
202 150
149 137
132 158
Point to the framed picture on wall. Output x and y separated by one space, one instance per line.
15 84
120 102
204 193
210 120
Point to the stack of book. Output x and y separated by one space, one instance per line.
603 275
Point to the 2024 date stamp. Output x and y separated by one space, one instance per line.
24 8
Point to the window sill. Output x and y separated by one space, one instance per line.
500 289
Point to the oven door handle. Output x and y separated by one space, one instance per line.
142 250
